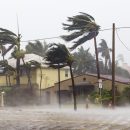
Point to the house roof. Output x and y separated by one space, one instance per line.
105 77
109 77
27 58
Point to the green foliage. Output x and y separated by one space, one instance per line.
58 54
18 54
37 48
126 95
105 97
83 62
105 53
5 89
83 28
8 38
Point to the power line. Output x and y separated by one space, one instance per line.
40 39
121 41
107 29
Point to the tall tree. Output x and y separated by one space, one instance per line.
37 48
105 53
7 70
2 50
7 37
83 28
54 60
58 56
84 62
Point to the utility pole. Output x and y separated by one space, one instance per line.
97 61
59 86
113 65
97 64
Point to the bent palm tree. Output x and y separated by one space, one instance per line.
84 62
37 48
54 60
58 56
2 50
83 28
8 70
9 38
105 52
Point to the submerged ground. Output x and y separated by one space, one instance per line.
41 118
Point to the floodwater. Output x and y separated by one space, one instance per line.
43 118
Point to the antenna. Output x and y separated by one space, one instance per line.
17 24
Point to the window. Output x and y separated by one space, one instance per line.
66 73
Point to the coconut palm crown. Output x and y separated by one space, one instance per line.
83 28
58 54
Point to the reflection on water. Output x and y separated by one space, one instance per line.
41 118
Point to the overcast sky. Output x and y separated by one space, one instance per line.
44 18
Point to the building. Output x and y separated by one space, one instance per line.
45 76
84 85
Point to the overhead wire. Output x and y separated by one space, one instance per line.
121 40
107 29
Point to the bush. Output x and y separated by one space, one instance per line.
125 96
104 98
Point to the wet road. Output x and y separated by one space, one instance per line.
40 118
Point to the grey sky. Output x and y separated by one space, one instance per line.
44 18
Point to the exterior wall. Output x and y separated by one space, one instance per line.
77 80
49 77
3 80
107 84
65 85
24 78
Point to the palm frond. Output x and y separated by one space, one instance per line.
84 39
87 15
8 49
71 36
7 32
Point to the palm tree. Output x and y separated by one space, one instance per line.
37 48
7 37
58 56
83 28
2 50
7 70
84 62
27 66
53 58
105 53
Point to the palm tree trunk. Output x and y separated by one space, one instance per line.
29 78
105 63
59 86
97 61
7 81
18 63
73 88
28 74
40 82
18 72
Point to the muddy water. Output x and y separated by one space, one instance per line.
40 118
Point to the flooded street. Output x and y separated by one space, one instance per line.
40 118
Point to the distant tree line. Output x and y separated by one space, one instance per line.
84 61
